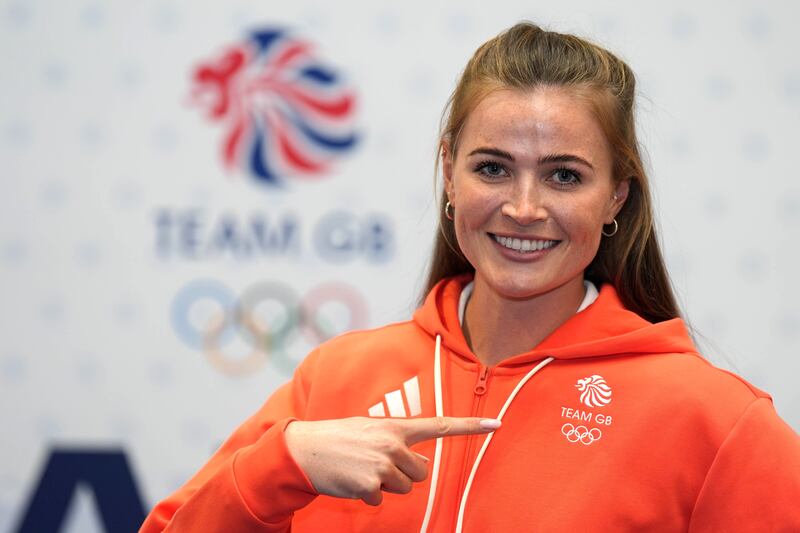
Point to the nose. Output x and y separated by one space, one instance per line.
526 204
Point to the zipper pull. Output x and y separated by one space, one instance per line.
480 385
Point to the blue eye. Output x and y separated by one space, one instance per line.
565 177
490 169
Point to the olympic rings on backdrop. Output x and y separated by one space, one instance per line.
252 317
581 434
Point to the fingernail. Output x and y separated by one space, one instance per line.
490 423
423 457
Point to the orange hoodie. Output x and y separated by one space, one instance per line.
620 426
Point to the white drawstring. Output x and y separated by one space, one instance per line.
463 506
437 456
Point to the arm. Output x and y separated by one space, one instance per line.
754 482
251 483
255 483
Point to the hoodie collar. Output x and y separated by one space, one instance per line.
466 293
603 328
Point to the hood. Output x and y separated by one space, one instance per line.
604 328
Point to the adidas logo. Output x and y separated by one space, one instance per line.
397 401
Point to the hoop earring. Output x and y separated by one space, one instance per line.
449 210
616 228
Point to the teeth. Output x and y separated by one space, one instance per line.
524 245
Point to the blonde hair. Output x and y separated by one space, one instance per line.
526 57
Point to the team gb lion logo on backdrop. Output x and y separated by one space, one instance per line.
594 390
285 113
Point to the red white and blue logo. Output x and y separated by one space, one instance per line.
285 113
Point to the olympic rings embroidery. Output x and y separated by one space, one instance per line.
252 317
581 434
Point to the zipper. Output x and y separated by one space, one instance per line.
479 390
480 385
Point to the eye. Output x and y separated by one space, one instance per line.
565 178
491 169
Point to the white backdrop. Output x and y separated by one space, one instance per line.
100 140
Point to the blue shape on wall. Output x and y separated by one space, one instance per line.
106 472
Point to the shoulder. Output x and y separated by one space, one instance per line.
685 389
377 348
694 374
346 375
394 333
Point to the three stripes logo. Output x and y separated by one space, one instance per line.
400 403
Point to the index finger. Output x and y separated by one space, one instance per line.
419 429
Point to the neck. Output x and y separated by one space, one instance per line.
497 327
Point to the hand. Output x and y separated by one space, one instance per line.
359 457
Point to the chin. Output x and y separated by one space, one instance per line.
519 286
514 288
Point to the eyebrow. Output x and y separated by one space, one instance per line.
552 158
492 151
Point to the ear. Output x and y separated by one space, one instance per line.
447 170
618 200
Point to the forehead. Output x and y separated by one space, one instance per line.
534 122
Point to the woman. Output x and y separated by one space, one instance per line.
451 421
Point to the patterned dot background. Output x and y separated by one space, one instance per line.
116 197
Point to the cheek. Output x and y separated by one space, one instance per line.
469 231
474 208
473 215
582 224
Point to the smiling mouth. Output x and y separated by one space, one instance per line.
523 245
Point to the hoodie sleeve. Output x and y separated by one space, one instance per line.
754 481
251 483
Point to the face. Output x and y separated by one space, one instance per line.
531 184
